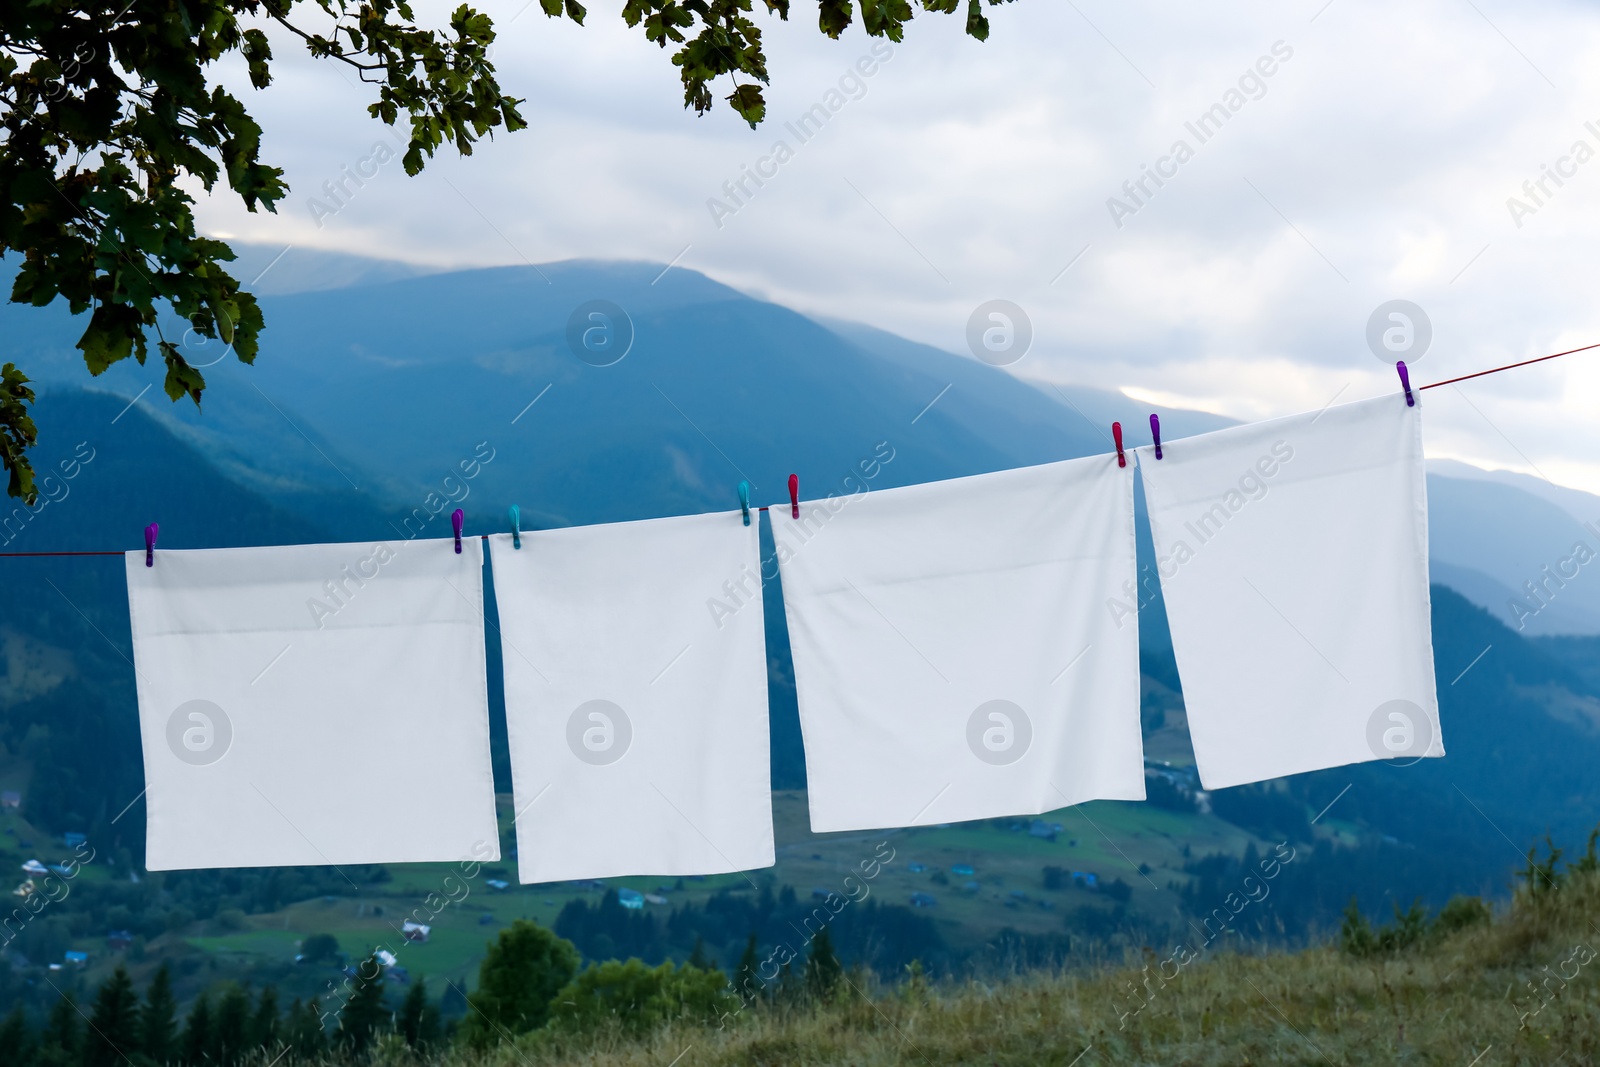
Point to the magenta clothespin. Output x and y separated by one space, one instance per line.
1116 432
1155 433
456 518
1405 383
794 495
150 533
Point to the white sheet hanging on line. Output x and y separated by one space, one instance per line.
1293 557
313 704
953 652
636 698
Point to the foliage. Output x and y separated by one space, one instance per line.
823 969
303 1030
16 1042
319 948
636 997
113 1023
158 1018
363 1012
418 1022
525 967
1442 990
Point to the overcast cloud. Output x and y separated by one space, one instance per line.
1374 163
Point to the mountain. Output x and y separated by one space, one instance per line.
383 398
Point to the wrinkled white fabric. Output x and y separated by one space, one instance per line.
313 704
1293 558
953 653
636 698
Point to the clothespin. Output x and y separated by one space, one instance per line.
1405 383
1116 432
744 501
1155 433
456 518
516 526
150 533
794 495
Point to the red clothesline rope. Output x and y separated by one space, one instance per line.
1433 385
1509 366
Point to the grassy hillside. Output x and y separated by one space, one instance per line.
1523 988
1465 986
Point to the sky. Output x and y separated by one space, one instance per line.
1356 154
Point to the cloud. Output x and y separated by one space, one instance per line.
1375 162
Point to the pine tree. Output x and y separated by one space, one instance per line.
823 970
59 1045
264 1026
16 1041
698 958
114 1023
196 1042
747 979
230 1030
419 1019
363 1014
305 1034
158 1019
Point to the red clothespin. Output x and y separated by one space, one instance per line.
1155 433
1405 383
456 519
1116 432
150 533
794 495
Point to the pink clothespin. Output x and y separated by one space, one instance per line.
794 495
1116 432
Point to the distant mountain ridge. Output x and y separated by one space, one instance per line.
377 379
367 398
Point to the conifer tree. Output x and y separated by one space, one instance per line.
749 983
419 1018
823 969
114 1022
305 1034
363 1015
196 1041
264 1026
698 958
230 1027
60 1044
158 1019
16 1041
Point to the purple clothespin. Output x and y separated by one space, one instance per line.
456 518
150 533
1116 431
1155 433
1405 383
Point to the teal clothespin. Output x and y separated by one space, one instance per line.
744 501
516 526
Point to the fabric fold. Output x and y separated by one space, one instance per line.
954 655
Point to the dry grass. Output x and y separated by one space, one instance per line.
1465 1000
